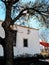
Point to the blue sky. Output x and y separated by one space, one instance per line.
32 21
26 1
2 11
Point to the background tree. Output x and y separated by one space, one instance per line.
38 8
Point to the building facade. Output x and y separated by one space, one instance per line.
27 41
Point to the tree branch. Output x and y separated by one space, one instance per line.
21 13
15 1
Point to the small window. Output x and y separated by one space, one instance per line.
25 42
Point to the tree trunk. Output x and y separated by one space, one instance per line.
8 49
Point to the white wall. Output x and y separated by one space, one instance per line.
2 34
33 41
1 51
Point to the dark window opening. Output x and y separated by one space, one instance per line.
25 42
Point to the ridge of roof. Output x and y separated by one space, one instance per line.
27 27
21 26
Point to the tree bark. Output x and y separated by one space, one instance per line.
8 49
7 44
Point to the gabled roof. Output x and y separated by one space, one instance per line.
45 44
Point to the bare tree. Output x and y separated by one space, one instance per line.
36 9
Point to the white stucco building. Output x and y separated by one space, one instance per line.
27 42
